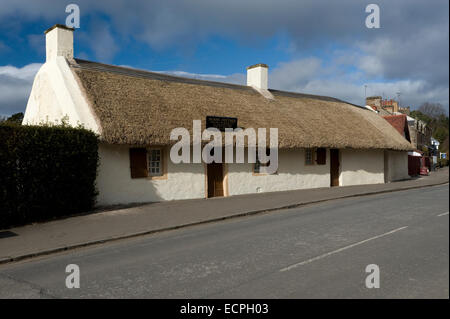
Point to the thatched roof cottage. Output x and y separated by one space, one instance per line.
323 141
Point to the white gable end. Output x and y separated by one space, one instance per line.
57 95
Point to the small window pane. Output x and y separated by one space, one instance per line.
155 162
309 159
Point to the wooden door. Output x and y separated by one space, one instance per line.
334 167
215 179
386 166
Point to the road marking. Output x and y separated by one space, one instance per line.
340 249
443 214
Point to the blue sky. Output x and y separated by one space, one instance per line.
318 47
215 54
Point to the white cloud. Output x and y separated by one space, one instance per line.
312 76
100 39
15 87
195 75
371 65
348 85
420 55
237 78
411 46
290 75
25 73
308 75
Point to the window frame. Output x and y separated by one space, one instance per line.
162 161
313 159
258 173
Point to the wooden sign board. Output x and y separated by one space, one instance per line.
221 123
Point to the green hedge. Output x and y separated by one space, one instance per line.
45 172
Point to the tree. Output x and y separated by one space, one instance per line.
418 115
443 147
432 110
16 118
433 114
440 134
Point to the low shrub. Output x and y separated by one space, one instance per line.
45 172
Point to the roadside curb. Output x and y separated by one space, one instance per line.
237 215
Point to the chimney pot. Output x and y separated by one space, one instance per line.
59 42
258 76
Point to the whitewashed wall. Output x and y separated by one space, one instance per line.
292 174
397 166
186 181
358 167
116 186
56 95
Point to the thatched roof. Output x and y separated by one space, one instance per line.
139 107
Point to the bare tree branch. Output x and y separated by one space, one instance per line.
433 110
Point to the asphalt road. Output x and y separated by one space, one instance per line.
318 251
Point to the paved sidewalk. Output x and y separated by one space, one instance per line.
45 238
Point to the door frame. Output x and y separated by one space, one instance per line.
224 180
339 167
386 166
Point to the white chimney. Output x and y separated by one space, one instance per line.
59 42
257 76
